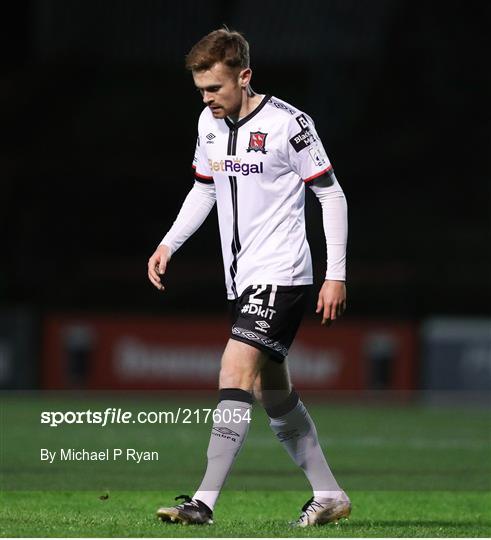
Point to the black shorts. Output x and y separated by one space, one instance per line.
267 317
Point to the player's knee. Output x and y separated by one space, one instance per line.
236 378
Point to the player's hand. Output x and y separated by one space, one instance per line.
331 301
157 265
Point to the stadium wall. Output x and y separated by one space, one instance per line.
149 353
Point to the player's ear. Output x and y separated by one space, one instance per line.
245 77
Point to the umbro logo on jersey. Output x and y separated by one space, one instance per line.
257 142
210 138
283 106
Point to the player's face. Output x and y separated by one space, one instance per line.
222 88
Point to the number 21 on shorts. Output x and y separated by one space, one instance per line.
260 289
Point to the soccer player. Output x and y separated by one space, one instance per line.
255 155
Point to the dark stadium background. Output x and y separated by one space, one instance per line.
98 125
98 122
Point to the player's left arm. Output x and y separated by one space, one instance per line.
309 160
331 301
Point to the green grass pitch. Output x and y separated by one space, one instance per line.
253 514
409 470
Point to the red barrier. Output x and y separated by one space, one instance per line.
145 353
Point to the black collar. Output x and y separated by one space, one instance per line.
241 122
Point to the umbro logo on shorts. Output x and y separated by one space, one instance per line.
262 326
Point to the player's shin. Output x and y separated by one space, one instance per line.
230 426
295 429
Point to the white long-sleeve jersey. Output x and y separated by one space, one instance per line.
256 170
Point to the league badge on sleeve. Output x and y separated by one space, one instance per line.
257 142
318 155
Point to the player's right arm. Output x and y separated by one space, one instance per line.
195 208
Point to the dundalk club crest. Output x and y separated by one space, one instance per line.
257 142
